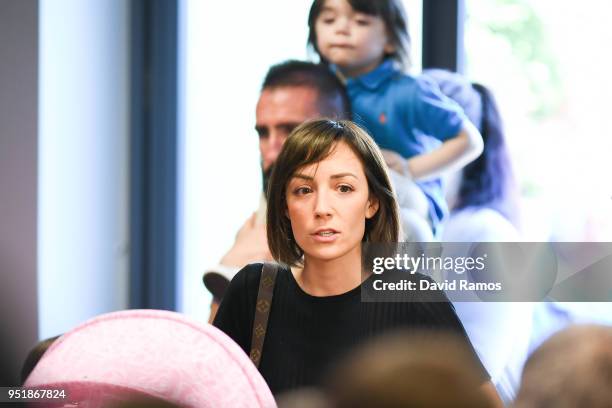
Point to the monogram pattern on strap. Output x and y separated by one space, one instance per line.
262 310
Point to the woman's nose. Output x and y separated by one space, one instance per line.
323 205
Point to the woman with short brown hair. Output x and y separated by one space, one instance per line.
312 143
329 193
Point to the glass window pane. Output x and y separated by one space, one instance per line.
549 68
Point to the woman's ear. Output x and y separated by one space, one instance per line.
372 208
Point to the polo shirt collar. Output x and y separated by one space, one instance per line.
374 78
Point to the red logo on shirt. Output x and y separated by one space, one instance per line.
382 118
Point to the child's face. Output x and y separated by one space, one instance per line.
356 42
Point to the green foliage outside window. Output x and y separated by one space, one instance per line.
518 23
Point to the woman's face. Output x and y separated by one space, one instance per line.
328 203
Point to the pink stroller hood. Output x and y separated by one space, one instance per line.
152 352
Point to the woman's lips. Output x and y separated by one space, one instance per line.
325 236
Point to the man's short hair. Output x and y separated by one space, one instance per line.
333 99
571 369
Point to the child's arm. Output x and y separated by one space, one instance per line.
451 156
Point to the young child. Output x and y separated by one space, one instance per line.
422 133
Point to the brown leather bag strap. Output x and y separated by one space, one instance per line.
262 310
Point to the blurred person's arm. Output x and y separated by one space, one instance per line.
251 245
489 390
214 308
452 155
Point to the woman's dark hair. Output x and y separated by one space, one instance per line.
390 11
489 180
312 142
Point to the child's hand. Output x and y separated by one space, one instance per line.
396 162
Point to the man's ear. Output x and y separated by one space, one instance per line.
372 208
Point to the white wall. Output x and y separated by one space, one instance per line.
83 161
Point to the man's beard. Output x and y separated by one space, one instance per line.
265 177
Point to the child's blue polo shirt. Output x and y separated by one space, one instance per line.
408 115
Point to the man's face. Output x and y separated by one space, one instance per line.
279 111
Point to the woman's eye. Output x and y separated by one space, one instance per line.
363 22
328 20
343 188
302 190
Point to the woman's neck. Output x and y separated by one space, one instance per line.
328 278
